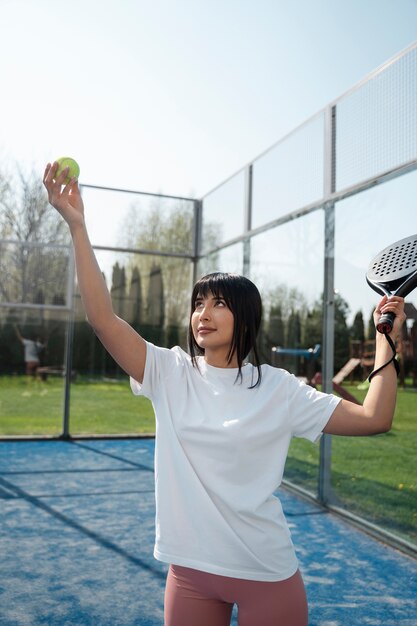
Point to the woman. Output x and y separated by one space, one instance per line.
33 349
222 436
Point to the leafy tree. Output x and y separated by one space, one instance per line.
118 290
294 330
357 330
313 329
276 329
289 299
370 333
161 232
279 303
155 304
341 332
135 303
293 341
164 228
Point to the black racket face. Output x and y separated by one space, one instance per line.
394 269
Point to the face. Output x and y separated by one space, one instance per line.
212 323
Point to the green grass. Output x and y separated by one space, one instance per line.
100 407
375 477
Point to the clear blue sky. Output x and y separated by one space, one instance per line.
176 95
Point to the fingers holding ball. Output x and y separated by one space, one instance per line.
61 172
67 167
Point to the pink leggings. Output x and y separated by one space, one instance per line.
194 598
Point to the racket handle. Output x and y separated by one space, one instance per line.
385 323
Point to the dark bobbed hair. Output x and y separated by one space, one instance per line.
244 300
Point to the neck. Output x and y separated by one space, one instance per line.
220 359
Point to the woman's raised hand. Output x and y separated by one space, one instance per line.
395 305
65 198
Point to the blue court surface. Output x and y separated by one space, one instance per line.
76 540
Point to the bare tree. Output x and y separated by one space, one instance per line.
32 266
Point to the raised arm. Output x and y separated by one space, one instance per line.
125 345
17 331
377 412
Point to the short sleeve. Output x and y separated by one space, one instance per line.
309 409
160 365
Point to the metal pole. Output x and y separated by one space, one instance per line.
324 481
324 487
69 336
247 220
197 236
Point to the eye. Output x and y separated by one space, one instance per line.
220 302
198 304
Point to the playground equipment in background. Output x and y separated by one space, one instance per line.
308 355
361 359
406 350
313 378
338 379
364 352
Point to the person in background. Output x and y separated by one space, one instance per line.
32 351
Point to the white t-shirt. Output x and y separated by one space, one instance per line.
32 349
220 454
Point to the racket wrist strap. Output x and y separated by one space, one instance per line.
392 360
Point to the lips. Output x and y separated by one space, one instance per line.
204 330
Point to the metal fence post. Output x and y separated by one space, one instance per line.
247 220
197 234
69 336
324 481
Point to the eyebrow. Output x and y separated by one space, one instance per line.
201 297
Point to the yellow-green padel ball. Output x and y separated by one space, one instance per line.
74 168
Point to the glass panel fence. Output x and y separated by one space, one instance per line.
139 221
34 278
151 293
290 175
287 266
33 273
376 124
228 259
32 371
223 212
376 477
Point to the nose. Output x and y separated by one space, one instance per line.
204 313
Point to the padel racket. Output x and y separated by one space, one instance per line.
393 272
